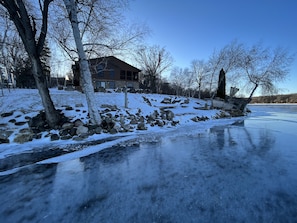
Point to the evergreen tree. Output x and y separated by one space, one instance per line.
45 57
23 72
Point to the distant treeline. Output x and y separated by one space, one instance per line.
288 98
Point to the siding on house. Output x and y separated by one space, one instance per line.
110 73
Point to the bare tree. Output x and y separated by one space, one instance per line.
34 42
14 57
264 68
86 77
177 79
10 44
154 60
5 26
189 82
199 70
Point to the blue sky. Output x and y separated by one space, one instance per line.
193 29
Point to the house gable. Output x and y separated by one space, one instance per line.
110 72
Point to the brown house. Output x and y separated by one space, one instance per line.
109 73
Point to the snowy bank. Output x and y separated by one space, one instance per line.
147 115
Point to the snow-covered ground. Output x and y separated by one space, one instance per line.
26 103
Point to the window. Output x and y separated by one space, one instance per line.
129 75
123 75
135 76
99 69
112 85
100 84
111 73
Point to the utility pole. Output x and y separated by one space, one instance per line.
126 96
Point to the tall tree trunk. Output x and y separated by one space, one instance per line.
210 85
85 73
253 91
199 89
52 115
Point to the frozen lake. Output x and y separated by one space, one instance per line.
246 172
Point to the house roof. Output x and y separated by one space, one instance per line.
113 60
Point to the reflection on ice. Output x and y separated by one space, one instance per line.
68 185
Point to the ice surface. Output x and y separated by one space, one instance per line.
85 152
245 172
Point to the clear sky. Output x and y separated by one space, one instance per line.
193 29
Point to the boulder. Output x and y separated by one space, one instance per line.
122 120
4 140
138 112
38 123
166 101
110 107
198 119
163 115
113 131
169 115
12 120
55 137
67 125
174 123
141 119
94 129
27 117
126 128
64 132
107 124
160 123
6 114
81 130
78 122
175 100
186 101
25 130
72 131
84 135
98 130
66 137
133 121
20 123
37 136
141 126
24 137
4 135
